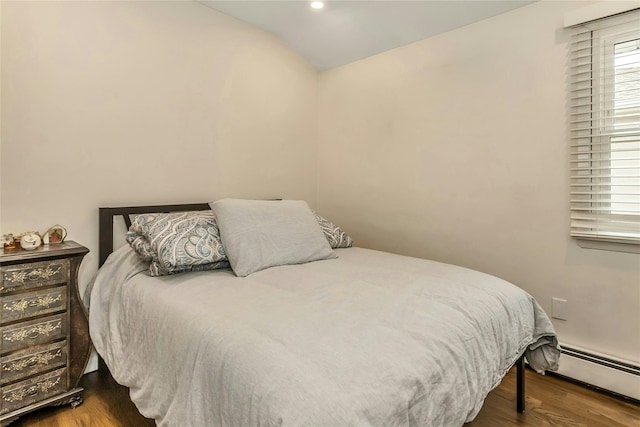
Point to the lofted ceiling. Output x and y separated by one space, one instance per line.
346 31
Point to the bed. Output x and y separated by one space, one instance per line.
362 338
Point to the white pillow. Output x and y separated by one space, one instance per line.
257 234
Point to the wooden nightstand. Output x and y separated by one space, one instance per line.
44 334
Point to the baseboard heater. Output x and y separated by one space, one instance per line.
623 369
601 360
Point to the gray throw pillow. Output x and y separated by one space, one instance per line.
257 234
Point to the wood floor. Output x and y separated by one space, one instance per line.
550 402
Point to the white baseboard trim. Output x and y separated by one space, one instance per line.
608 373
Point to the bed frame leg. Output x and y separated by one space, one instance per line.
520 385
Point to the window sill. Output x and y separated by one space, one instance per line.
609 246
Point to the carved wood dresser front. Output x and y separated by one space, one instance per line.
44 336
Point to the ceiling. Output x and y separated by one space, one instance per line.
346 31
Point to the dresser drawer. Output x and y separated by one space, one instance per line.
33 390
33 303
33 274
15 337
32 361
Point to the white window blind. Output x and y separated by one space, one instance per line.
604 117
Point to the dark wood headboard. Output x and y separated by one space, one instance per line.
105 227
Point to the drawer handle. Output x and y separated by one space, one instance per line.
21 305
40 358
20 394
44 273
33 333
20 277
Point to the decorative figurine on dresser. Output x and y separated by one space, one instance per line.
44 343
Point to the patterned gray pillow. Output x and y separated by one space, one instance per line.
335 235
156 269
178 242
140 245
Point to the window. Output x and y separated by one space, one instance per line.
604 117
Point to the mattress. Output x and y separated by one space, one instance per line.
366 339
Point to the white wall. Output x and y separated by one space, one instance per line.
455 148
116 103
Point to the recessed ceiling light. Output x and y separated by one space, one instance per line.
317 4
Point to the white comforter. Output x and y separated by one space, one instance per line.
369 338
